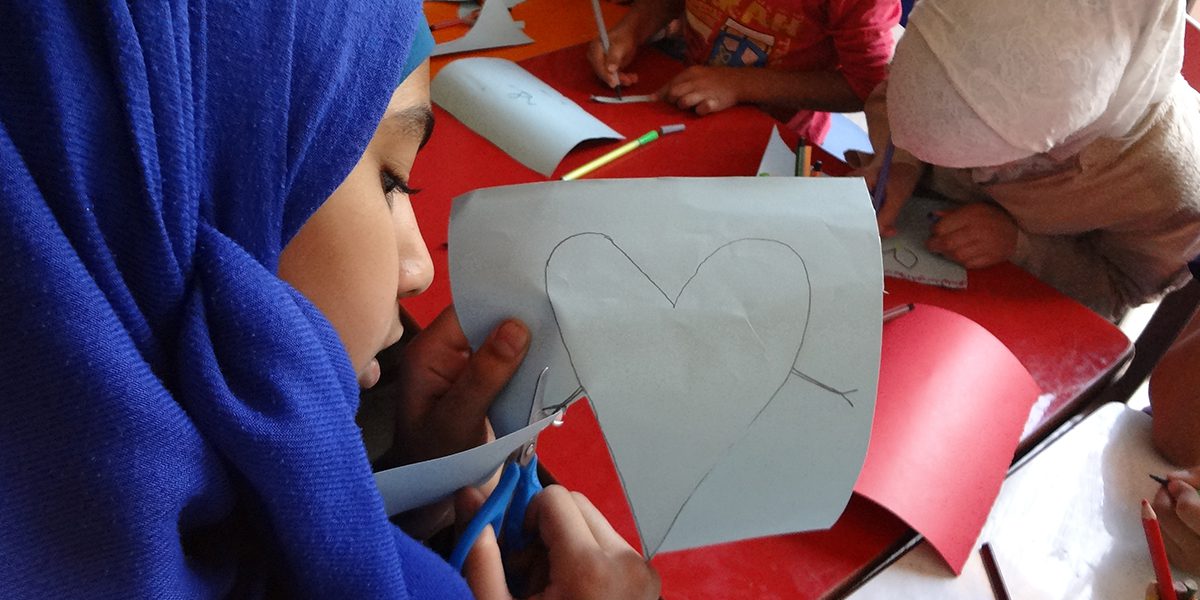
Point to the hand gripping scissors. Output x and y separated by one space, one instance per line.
505 509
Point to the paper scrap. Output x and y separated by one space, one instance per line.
905 255
778 160
411 486
844 134
494 28
626 99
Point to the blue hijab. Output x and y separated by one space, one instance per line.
177 420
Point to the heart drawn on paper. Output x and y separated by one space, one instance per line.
722 345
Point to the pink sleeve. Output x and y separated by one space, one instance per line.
862 35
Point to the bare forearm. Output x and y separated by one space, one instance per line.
797 90
1175 399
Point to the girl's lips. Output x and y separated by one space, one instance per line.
370 375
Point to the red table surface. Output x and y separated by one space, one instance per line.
1066 348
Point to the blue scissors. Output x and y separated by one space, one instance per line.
505 509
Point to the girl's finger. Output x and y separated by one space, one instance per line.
601 529
560 524
483 569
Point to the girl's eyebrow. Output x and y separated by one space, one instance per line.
413 120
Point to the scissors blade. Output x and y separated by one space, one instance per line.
525 453
538 406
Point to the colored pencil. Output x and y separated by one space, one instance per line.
993 572
879 194
646 138
897 311
1158 552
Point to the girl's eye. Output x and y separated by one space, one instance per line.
392 184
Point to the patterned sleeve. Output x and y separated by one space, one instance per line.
862 35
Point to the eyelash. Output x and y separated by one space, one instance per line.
392 184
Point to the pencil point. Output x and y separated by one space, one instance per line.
1148 511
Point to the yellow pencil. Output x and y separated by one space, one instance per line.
646 138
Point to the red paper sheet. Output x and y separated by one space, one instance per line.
949 414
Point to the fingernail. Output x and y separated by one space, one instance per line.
510 340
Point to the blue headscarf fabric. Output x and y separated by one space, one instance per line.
177 420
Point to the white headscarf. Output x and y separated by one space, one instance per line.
985 82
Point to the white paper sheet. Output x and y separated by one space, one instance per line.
905 255
494 28
777 160
408 487
727 332
844 134
525 117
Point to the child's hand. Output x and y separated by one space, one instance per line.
1178 508
584 556
902 180
610 66
975 236
703 89
445 390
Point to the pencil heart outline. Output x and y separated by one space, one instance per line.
784 273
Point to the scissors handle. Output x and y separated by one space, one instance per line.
513 536
491 513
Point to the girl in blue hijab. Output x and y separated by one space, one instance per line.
204 228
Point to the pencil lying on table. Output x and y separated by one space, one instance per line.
897 311
646 138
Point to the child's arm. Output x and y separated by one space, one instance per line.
1110 271
1175 398
1178 507
711 89
644 19
862 34
906 170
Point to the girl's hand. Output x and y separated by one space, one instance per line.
975 236
582 555
445 389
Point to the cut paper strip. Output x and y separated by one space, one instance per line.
844 134
493 29
905 255
627 99
952 403
743 336
525 117
778 160
410 486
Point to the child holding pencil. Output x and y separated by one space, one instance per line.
805 57
1177 505
1066 131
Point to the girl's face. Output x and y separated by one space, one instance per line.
362 251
